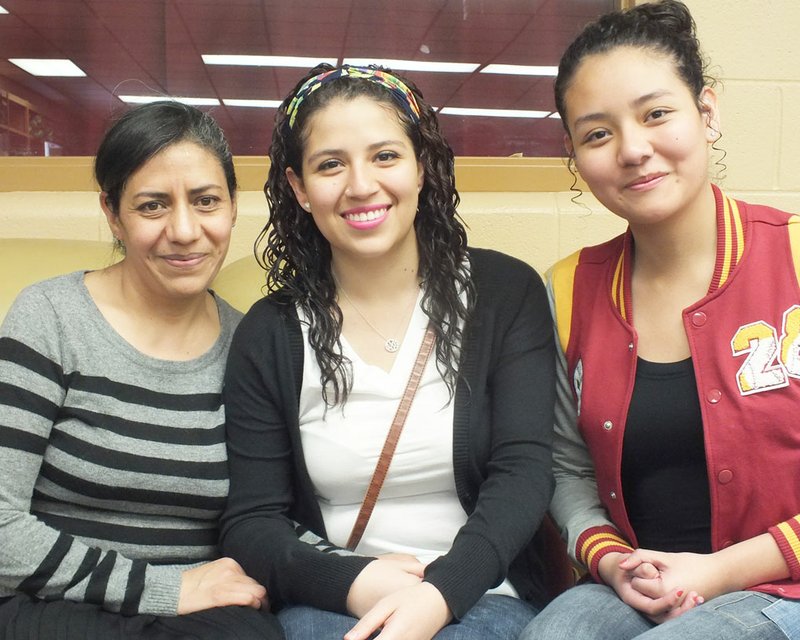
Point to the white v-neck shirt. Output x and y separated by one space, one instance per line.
418 511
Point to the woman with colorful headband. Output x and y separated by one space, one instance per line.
367 260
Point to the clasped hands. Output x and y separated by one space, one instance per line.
662 585
389 594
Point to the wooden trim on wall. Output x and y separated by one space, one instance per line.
472 174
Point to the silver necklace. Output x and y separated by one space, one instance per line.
390 344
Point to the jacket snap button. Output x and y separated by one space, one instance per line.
714 396
613 495
699 318
608 425
725 476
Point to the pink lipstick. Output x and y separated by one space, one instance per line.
365 218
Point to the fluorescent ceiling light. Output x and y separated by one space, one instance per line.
3 10
493 113
267 61
195 102
48 67
415 65
260 104
520 70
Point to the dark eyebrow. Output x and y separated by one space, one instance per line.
151 194
593 117
204 188
651 96
163 195
338 152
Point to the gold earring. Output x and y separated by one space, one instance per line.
307 206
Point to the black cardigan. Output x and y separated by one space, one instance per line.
502 430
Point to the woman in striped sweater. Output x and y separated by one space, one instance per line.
111 419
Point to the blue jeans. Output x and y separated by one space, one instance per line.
786 614
493 617
595 612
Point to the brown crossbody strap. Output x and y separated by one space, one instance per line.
385 459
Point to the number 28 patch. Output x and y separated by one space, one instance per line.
769 360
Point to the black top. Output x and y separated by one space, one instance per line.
502 432
664 473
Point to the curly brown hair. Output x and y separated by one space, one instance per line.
297 256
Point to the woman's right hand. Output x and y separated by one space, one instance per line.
220 583
382 576
659 608
418 612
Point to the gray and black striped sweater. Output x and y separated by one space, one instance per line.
112 464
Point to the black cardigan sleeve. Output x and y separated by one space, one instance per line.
268 484
503 429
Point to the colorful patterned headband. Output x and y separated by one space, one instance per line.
399 91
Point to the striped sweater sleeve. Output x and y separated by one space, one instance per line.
35 558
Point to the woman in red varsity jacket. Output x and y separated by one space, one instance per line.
677 446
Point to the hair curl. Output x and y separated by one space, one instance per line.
666 27
297 256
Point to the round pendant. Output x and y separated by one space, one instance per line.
391 345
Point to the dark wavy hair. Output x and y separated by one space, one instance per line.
297 256
666 27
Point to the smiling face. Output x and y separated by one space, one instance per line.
361 179
175 219
639 138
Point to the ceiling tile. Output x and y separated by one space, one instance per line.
155 46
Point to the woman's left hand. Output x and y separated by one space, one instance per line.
744 564
418 612
380 578
698 572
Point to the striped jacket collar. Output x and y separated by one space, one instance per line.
730 246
